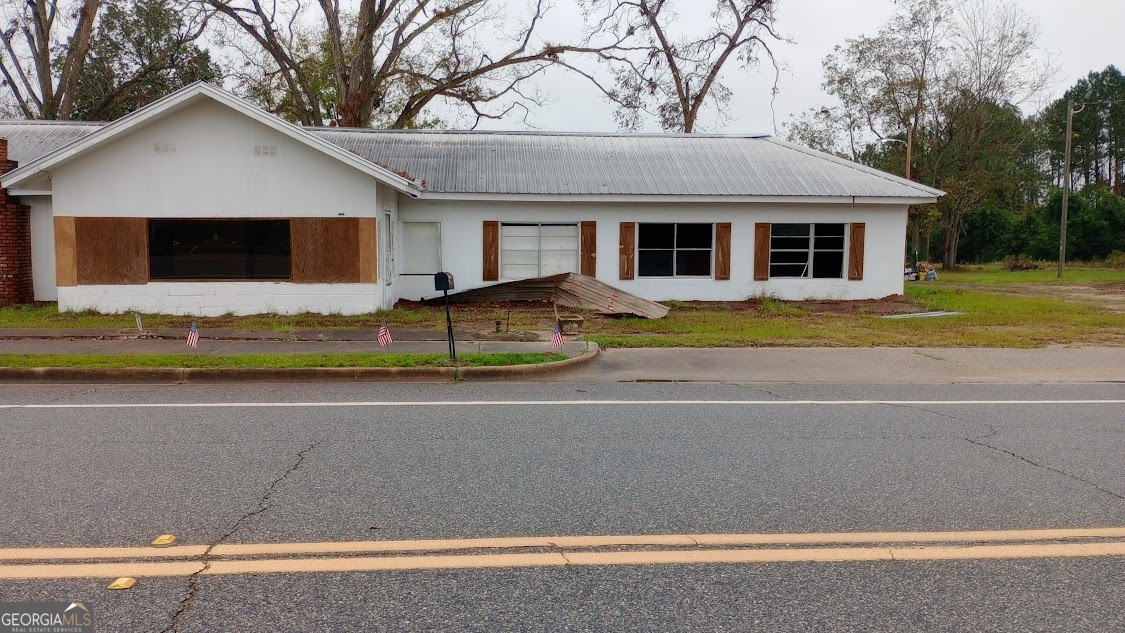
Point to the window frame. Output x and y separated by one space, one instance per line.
675 249
811 250
149 255
539 251
440 247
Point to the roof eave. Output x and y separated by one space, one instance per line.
677 198
86 143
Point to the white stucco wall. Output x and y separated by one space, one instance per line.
42 247
462 237
218 298
214 172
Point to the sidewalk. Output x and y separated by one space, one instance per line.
857 365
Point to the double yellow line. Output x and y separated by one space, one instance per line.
374 556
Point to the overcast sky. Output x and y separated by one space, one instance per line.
1082 35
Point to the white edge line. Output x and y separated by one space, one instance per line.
541 403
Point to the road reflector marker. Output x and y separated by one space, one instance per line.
164 540
122 583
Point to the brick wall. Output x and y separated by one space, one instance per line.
15 242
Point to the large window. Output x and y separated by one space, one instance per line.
807 250
421 248
537 250
218 249
674 250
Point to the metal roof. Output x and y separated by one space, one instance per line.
571 163
624 164
28 140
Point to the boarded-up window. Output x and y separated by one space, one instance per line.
538 250
421 247
328 250
111 250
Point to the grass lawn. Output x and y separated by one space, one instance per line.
1002 309
994 274
273 360
990 320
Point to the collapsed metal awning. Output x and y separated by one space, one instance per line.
567 289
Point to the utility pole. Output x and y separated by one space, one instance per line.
1066 186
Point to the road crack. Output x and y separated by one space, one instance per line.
992 431
1095 485
205 557
757 389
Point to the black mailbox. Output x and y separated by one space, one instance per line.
443 281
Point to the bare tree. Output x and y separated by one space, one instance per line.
926 80
45 46
673 75
388 60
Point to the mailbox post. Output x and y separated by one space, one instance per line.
444 283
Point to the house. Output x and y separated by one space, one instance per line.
203 204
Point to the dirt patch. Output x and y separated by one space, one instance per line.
894 304
1109 295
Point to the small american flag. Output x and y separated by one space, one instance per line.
385 335
556 337
193 336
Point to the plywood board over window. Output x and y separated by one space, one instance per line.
327 250
111 251
66 266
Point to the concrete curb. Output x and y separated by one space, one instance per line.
172 375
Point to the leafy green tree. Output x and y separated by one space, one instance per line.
1098 141
143 50
985 160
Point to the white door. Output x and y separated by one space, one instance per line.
388 242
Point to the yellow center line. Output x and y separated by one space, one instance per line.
555 559
564 542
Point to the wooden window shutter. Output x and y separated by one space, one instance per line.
628 250
589 247
491 250
722 250
855 250
761 251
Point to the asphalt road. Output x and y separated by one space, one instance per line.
548 465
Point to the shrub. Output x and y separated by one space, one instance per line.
1011 262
